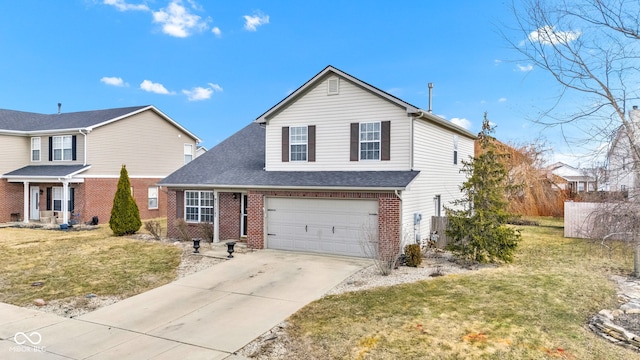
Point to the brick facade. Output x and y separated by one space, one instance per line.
94 197
389 216
229 220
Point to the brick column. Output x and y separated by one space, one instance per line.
255 221
389 226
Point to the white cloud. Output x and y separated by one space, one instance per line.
462 123
497 62
176 20
122 5
252 22
525 68
502 99
150 86
216 31
547 35
113 81
201 93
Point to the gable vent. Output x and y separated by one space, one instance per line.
333 86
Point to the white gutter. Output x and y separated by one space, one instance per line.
84 160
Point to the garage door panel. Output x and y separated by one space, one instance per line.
320 225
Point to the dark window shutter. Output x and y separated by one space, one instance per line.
179 204
285 144
311 145
49 197
73 148
385 137
50 151
355 134
455 157
72 200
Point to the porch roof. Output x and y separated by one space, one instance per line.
45 172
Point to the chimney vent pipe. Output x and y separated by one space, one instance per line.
430 85
59 108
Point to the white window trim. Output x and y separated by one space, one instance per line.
39 148
150 193
189 153
292 143
61 148
379 141
199 206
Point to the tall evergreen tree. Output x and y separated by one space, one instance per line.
125 216
477 221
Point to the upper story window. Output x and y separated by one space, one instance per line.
455 149
198 206
35 149
62 148
298 143
370 141
188 153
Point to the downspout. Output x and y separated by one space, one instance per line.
84 160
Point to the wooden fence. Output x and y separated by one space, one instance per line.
439 224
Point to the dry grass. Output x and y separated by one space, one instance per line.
77 263
535 308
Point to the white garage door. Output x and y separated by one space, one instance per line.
321 225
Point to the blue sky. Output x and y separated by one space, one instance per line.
215 66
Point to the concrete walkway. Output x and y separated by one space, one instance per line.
207 315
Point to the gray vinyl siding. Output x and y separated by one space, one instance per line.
433 156
332 116
146 143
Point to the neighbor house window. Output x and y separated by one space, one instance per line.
153 197
35 149
188 153
198 206
370 141
62 148
455 149
57 198
298 143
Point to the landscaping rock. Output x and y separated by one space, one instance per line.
39 302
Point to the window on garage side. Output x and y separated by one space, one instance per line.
153 197
188 153
370 141
298 143
198 206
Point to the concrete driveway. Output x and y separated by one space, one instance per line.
207 315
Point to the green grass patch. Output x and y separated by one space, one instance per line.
535 308
77 263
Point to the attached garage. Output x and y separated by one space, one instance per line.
329 226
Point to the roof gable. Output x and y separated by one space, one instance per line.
332 71
27 123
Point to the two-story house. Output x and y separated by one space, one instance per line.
621 166
64 165
336 167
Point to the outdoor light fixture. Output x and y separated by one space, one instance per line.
230 246
196 245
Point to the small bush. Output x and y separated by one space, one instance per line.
183 230
125 216
206 229
154 228
413 255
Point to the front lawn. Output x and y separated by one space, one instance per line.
77 263
535 308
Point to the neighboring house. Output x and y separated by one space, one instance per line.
572 179
57 166
200 150
621 167
337 167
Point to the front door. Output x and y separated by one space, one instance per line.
34 208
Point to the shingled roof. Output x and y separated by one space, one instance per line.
239 161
